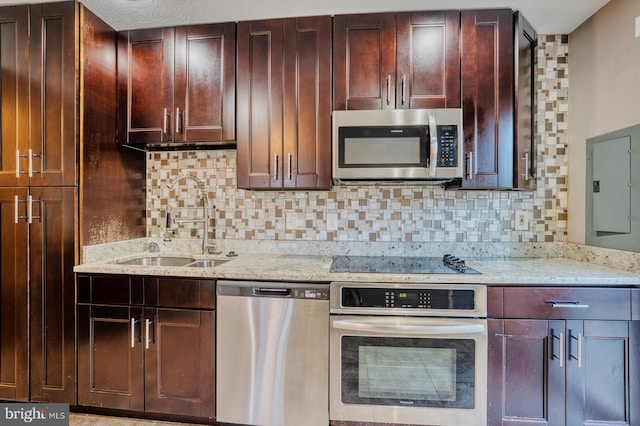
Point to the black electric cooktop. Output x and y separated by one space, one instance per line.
448 264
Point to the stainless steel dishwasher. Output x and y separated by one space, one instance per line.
272 353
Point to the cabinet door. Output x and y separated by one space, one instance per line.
14 273
205 89
179 362
259 87
53 56
526 372
364 61
307 102
487 98
145 86
14 92
428 64
110 357
52 295
599 364
525 92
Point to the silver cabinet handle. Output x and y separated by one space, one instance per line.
579 350
526 166
133 332
29 209
178 121
30 215
17 163
31 170
147 326
29 158
275 166
289 160
15 203
404 82
388 89
560 356
578 355
165 121
30 154
469 175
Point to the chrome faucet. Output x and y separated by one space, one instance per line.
206 246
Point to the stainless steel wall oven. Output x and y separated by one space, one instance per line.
408 353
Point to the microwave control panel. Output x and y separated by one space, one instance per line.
447 146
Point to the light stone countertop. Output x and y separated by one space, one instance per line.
287 267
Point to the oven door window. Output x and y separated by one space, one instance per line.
414 372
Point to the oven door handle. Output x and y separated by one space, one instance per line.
427 329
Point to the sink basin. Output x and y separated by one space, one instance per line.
206 263
158 261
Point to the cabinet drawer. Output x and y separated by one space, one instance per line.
179 293
567 303
109 289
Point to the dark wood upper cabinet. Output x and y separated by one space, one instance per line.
428 60
284 103
205 86
146 58
54 89
364 61
404 60
259 86
14 85
38 84
498 60
177 84
307 103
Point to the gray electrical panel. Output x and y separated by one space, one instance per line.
613 190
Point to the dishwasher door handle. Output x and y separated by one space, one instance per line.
266 291
426 329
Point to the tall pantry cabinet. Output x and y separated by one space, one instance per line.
42 136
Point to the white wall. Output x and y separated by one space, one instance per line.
604 91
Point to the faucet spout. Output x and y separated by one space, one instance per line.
205 224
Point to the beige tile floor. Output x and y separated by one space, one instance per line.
80 419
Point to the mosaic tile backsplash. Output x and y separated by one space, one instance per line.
177 181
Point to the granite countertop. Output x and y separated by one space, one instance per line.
285 267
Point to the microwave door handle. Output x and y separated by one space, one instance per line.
433 152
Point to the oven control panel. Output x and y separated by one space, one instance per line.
443 299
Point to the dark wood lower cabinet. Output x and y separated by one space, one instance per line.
51 295
37 331
557 372
14 284
179 364
142 358
110 357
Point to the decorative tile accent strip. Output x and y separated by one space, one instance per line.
413 214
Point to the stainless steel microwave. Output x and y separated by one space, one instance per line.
397 145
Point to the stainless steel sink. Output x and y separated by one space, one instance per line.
173 261
158 261
206 263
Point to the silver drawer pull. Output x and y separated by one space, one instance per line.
566 304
